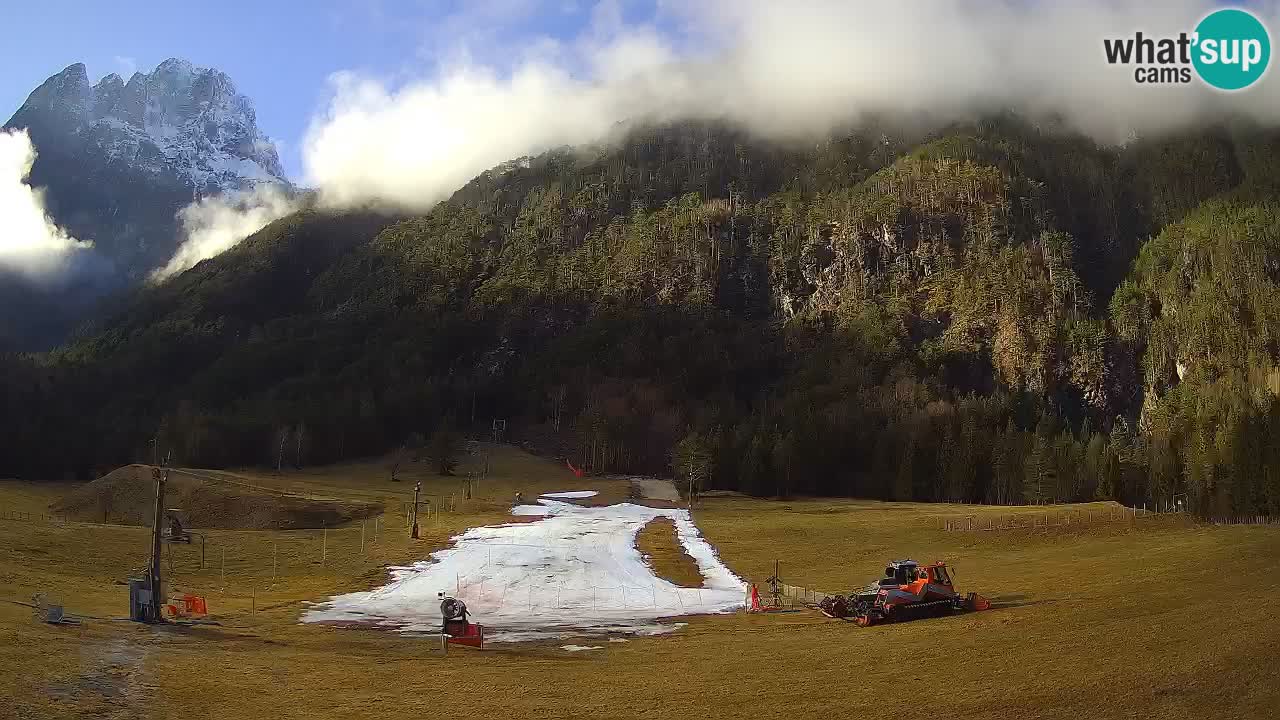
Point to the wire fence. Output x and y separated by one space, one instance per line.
24 516
554 572
789 596
1061 520
1243 520
246 571
540 596
252 566
253 570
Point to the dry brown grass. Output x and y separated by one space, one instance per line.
1115 622
663 552
126 496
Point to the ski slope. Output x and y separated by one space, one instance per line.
574 571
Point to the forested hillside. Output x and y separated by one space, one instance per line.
990 313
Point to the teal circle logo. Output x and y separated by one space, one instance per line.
1232 49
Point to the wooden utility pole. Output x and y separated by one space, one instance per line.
154 582
775 585
417 488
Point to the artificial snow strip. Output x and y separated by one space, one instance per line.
570 495
574 572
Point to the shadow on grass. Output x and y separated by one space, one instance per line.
1002 602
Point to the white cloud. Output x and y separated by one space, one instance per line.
126 65
778 69
410 147
216 224
30 242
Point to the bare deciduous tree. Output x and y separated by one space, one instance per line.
557 396
299 439
282 439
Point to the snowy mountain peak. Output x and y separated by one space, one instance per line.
181 121
117 160
62 100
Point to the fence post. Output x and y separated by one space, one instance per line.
274 549
324 546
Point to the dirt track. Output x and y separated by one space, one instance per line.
654 489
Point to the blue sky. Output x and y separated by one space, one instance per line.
278 52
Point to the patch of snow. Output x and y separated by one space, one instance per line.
571 495
618 640
580 648
530 510
574 572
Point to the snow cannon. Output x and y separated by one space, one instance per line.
455 626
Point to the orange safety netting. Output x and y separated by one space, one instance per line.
186 605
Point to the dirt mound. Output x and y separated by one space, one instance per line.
127 495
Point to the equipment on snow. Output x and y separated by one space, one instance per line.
455 625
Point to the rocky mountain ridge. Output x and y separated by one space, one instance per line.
179 122
115 163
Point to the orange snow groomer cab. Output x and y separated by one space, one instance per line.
906 592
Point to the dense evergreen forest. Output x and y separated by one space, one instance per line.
995 312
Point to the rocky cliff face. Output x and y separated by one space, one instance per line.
180 122
118 159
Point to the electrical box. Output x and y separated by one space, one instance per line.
139 599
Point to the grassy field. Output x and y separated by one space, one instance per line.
1127 620
658 543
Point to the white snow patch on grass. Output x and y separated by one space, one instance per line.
571 495
580 648
574 572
